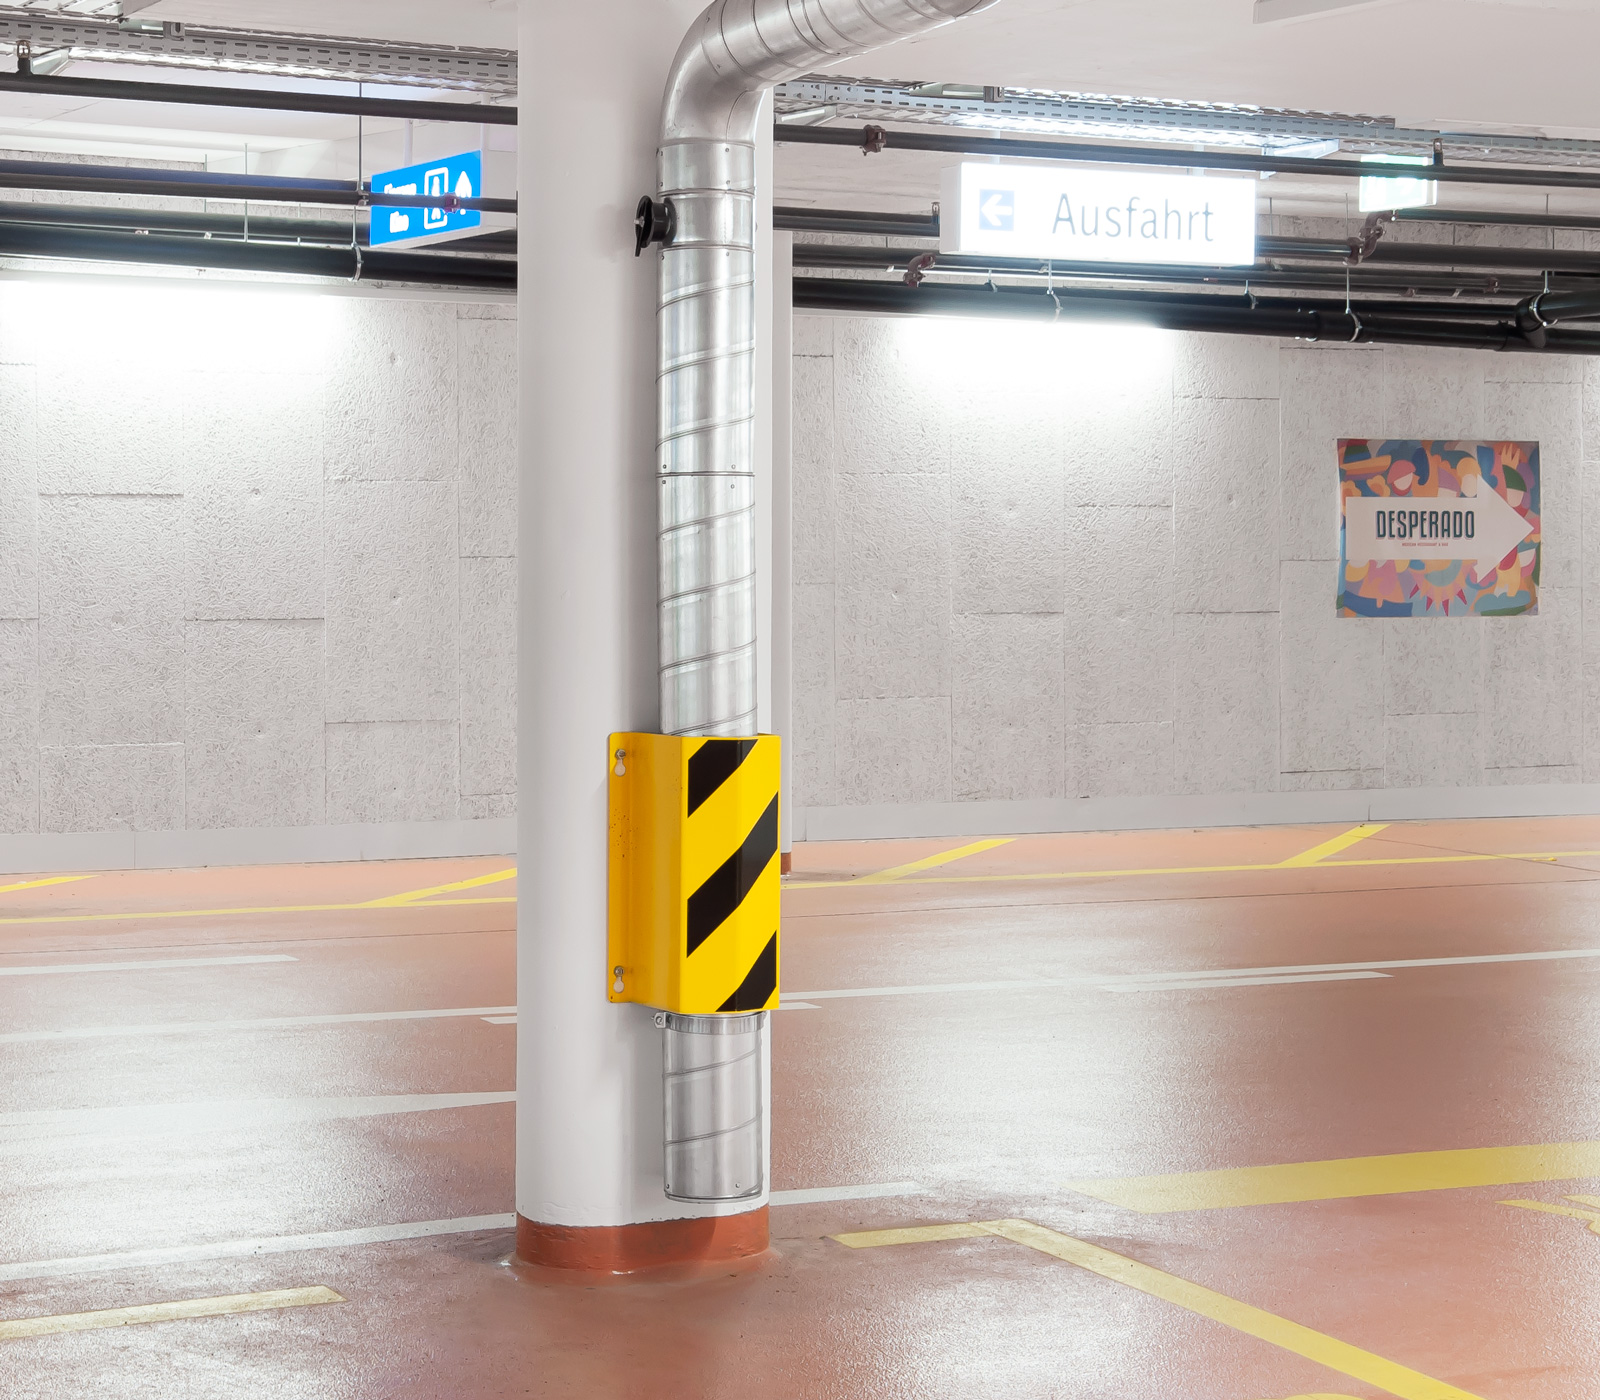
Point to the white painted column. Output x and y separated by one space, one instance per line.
782 537
589 1093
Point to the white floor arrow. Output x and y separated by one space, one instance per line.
1437 529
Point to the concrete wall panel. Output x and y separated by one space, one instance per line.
111 621
1331 676
1119 614
487 417
19 726
1329 392
892 604
1225 513
19 496
393 772
488 677
391 410
253 724
815 499
892 750
252 483
170 548
111 787
392 601
1007 707
1226 733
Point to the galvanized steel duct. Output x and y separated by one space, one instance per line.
706 328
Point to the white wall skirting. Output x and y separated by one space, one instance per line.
1156 813
289 845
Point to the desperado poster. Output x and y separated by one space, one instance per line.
1438 529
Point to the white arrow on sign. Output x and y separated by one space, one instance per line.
994 209
1482 528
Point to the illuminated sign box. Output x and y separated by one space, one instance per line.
1380 192
1068 214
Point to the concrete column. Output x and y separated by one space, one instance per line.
589 1092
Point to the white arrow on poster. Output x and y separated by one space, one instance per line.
1483 529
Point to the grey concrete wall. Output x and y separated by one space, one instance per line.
1054 577
256 560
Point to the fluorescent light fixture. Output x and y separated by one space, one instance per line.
51 62
1068 214
1380 192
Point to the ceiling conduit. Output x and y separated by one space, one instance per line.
706 326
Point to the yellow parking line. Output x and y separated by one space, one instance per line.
1342 842
411 896
1543 857
1347 1178
897 872
167 1312
1292 1337
1592 1217
36 884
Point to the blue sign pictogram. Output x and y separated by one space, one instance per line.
460 176
997 211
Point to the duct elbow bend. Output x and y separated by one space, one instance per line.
739 48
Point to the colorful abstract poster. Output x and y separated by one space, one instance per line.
1438 529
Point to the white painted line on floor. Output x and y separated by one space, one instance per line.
32 1126
1213 977
248 1249
265 1023
147 965
378 1234
1210 982
510 1020
814 1194
797 1006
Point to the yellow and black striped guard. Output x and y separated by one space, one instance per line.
694 872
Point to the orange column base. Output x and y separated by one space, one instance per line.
785 862
655 1244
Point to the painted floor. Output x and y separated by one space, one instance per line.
1208 1115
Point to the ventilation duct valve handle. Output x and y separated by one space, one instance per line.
654 221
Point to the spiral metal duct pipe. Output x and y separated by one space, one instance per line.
706 328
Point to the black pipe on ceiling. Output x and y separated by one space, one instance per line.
1363 278
1228 316
1493 216
120 90
201 184
846 256
877 138
797 219
347 263
1453 309
234 226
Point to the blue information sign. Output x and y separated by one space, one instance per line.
461 176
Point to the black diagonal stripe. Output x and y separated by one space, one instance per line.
724 891
712 764
759 983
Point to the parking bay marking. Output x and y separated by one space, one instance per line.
23 1327
1347 1178
1348 1360
39 884
1591 1217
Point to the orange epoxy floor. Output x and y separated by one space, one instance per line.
1037 1027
